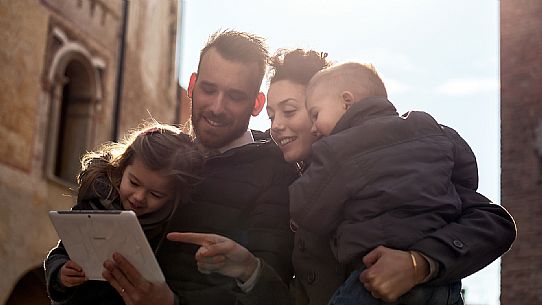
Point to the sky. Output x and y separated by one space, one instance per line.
438 56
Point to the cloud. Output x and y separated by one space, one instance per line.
468 86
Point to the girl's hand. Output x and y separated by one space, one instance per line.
71 274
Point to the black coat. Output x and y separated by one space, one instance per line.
244 196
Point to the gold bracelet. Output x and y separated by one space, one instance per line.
414 263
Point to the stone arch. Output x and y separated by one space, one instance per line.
74 51
75 91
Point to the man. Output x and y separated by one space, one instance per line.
244 193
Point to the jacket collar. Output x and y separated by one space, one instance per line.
244 139
249 139
363 110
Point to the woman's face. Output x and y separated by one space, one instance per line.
290 122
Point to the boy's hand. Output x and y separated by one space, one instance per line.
71 274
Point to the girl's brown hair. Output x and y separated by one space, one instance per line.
160 147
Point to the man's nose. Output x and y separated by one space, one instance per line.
218 103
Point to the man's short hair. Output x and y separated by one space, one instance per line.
360 79
239 47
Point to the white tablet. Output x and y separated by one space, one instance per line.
91 237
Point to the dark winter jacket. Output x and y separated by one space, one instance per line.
383 179
91 292
243 196
380 174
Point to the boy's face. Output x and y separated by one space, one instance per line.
325 108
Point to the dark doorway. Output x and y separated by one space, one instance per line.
30 290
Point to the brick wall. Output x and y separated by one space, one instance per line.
521 147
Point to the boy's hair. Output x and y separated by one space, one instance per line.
160 147
360 79
239 47
297 66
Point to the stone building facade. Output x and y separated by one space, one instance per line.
59 64
521 147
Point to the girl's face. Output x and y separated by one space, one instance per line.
143 190
290 122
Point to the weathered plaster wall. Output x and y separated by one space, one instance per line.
26 56
150 83
24 25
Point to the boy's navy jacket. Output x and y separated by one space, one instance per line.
380 174
405 182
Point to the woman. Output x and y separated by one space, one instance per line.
291 129
458 249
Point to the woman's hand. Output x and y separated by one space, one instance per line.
71 274
133 288
219 254
390 273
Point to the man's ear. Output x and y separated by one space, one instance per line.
258 104
348 99
192 83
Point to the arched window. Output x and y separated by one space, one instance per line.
75 89
74 122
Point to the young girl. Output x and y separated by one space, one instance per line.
150 173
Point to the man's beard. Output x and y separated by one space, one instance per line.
219 139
